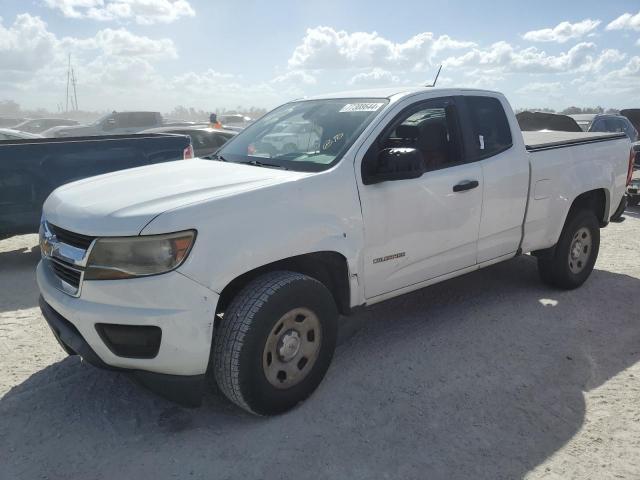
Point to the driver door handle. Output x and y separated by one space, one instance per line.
465 185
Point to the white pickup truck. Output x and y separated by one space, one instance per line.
241 264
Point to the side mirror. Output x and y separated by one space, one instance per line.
392 164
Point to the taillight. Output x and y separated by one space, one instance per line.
632 157
188 152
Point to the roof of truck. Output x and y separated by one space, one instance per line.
390 92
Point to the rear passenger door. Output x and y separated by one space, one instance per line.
505 173
421 228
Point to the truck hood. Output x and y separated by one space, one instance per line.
122 203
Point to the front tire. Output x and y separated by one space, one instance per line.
571 261
275 342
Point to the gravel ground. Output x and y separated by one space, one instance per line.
491 375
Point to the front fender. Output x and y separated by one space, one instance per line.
237 234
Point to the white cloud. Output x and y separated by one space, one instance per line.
295 76
622 81
626 21
544 88
610 55
503 57
26 45
540 87
143 12
221 89
375 77
123 43
326 48
563 32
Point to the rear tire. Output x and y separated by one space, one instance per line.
275 342
571 261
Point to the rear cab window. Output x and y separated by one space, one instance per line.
487 131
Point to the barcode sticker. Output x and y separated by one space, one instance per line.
361 107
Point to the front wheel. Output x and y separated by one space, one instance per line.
275 342
572 259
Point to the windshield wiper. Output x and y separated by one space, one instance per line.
215 156
259 163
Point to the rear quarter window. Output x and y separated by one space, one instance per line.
490 132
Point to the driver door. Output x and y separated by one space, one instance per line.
421 228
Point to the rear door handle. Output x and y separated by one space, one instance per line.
465 185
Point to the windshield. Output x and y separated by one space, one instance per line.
310 135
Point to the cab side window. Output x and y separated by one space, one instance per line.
490 132
432 131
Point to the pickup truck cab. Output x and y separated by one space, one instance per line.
241 266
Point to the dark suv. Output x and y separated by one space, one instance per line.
614 123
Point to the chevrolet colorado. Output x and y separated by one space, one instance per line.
241 265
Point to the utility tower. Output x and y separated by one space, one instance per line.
72 93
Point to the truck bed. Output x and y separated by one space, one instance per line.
536 141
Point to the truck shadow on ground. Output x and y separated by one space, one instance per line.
478 377
633 212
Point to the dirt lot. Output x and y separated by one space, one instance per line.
492 375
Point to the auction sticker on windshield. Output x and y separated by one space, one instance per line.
361 107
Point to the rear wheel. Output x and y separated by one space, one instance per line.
571 261
275 342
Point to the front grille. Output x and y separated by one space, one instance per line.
71 238
68 274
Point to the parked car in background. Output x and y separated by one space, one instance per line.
613 123
205 140
633 115
633 192
235 122
540 121
584 120
6 122
291 137
608 122
31 169
115 123
39 125
241 266
11 134
172 122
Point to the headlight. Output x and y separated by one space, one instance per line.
127 257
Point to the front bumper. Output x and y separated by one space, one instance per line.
186 390
183 309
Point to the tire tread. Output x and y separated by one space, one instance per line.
237 321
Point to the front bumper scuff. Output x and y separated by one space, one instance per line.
182 389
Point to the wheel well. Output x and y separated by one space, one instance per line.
329 268
594 200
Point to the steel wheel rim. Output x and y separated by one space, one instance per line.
580 250
292 348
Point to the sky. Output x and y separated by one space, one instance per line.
212 54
